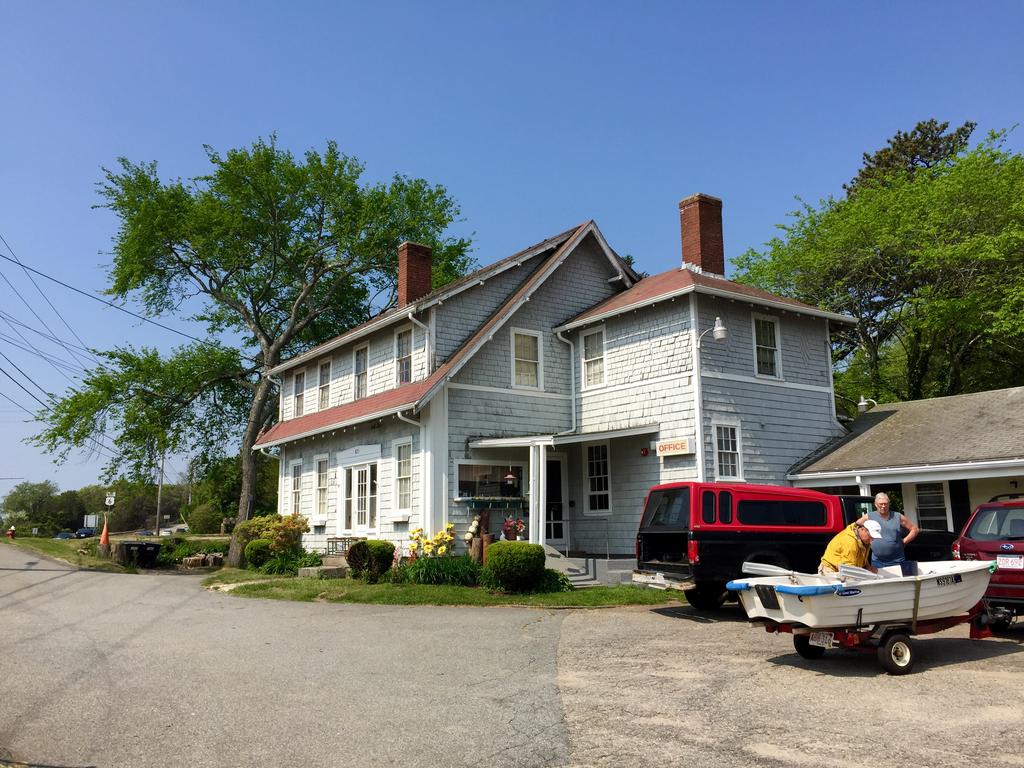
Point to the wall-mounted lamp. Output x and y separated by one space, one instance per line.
718 331
865 404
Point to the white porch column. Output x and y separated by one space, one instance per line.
542 492
534 537
865 488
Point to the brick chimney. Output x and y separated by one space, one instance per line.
700 220
414 264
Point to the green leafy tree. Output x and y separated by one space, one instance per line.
30 499
930 263
277 253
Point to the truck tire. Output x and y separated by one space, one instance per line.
706 597
802 644
896 654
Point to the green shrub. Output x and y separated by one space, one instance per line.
514 566
358 558
284 533
204 518
281 563
456 571
310 560
398 574
214 546
554 581
382 555
258 552
175 549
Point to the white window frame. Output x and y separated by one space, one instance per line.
298 395
294 494
586 479
322 491
584 360
754 317
945 501
398 361
356 374
727 424
405 442
523 465
323 388
540 357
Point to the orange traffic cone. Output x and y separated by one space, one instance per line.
104 547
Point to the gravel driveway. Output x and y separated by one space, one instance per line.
114 670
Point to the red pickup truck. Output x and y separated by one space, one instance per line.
695 536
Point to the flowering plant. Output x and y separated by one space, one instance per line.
513 525
438 545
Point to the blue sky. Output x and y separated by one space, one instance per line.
535 115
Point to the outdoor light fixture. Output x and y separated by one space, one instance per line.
865 404
718 331
510 479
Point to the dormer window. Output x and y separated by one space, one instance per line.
298 392
766 346
360 360
403 356
325 386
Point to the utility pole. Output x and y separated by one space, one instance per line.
159 490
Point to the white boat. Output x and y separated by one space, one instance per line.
856 597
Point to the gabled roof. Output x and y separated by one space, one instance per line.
943 431
399 314
680 281
415 395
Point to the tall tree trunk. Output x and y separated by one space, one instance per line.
257 417
918 360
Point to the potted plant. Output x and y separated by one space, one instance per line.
512 527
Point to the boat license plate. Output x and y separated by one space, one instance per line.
821 639
1010 561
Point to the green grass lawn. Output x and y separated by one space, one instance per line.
354 591
68 551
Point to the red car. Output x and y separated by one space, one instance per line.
996 532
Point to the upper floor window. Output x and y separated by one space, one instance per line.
360 361
766 346
593 358
325 386
526 359
298 392
403 356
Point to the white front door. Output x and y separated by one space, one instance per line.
360 500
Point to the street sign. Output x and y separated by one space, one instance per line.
110 499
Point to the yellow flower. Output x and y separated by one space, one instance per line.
442 549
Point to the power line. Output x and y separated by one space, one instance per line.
28 378
12 319
45 297
108 303
56 361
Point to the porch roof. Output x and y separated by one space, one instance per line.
520 441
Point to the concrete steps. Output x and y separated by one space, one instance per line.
590 571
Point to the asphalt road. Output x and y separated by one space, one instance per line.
117 670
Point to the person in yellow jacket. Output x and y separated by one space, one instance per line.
851 546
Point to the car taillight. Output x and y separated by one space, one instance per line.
692 552
956 550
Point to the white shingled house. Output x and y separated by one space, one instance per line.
553 385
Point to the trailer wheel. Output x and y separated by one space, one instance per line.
803 646
896 654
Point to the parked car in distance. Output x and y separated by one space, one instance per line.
995 531
144 533
65 535
85 533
